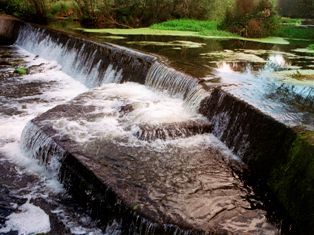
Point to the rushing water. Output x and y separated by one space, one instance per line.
159 118
23 98
122 113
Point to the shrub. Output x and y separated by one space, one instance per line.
18 8
251 18
31 10
63 8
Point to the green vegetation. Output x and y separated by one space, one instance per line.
291 21
204 18
295 32
252 18
32 10
186 25
21 70
63 9
206 28
311 47
292 182
120 13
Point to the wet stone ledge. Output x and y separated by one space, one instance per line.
179 190
280 159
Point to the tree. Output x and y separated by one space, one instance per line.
256 18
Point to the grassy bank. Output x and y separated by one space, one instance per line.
295 32
187 28
209 28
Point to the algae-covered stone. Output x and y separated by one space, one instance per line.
293 182
21 70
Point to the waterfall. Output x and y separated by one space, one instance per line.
163 78
35 143
92 63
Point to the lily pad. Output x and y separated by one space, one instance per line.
304 50
232 56
304 77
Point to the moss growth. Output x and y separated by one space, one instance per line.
21 70
293 182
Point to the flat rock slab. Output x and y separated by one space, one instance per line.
188 182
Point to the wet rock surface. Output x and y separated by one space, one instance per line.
184 185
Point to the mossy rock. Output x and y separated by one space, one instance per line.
293 182
21 70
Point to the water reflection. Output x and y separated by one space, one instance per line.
280 95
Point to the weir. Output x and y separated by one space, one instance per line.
163 174
90 62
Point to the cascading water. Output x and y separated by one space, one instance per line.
91 63
76 59
145 145
22 99
163 78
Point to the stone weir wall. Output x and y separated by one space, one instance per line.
90 62
280 159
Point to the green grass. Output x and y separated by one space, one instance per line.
187 28
311 47
295 32
206 28
291 21
186 25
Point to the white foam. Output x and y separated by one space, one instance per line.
29 219
148 107
60 88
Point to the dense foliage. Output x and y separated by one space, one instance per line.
251 18
120 13
33 10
